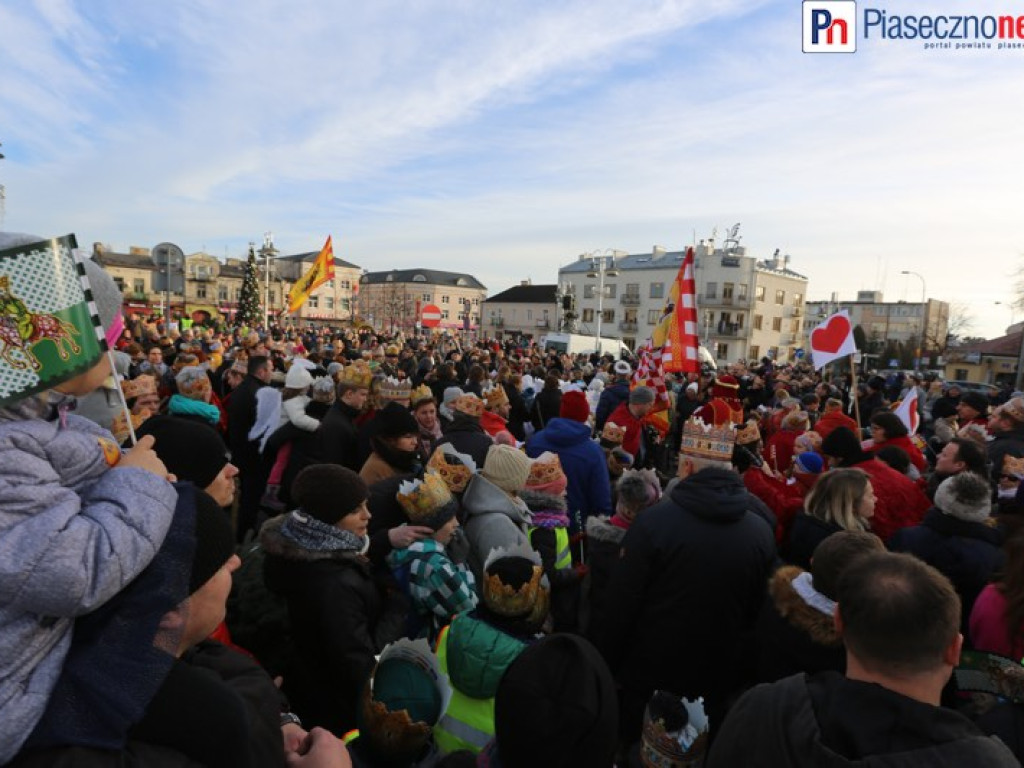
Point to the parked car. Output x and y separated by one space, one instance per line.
989 390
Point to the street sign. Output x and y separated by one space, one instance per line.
431 316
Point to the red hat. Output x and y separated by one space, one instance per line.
575 406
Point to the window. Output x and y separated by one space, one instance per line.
721 351
314 302
633 289
657 290
201 292
711 290
588 315
476 303
119 281
238 294
529 315
608 316
139 285
759 293
758 322
444 314
727 289
780 296
419 279
755 352
798 299
609 291
653 316
329 302
444 299
222 293
589 291
741 292
776 323
344 304
273 298
739 321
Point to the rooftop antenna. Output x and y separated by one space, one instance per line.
3 198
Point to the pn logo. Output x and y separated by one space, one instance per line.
830 26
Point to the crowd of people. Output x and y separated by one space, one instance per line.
343 547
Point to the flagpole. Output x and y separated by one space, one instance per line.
120 394
853 391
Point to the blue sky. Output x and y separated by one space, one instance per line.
503 139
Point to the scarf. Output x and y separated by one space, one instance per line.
620 522
312 534
550 519
803 585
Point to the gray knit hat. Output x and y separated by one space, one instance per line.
966 496
641 396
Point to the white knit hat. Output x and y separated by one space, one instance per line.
966 496
507 467
298 377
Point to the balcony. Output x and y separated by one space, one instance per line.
628 326
723 301
203 277
498 322
730 330
630 299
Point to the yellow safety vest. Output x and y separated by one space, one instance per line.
468 723
563 555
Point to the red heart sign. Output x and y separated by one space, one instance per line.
830 337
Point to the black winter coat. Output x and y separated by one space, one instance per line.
806 533
245 454
547 405
966 552
342 614
467 436
684 597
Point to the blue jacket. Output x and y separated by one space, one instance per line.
583 461
611 397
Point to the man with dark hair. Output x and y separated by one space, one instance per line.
245 454
899 621
960 454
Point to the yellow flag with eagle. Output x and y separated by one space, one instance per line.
321 271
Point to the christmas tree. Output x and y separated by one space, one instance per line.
249 312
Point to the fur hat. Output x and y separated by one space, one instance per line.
512 581
394 420
547 475
453 467
191 450
641 396
427 502
966 496
622 368
506 467
298 377
574 406
322 390
215 542
193 383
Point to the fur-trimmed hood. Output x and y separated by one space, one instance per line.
276 544
601 529
538 501
817 625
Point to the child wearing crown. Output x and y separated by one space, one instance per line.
439 588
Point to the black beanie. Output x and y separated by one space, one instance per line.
328 492
842 444
556 705
191 450
394 420
215 543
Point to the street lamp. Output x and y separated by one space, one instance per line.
924 312
601 263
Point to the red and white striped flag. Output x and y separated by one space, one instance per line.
674 340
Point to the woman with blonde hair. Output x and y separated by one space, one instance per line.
841 500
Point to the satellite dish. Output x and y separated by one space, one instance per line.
168 254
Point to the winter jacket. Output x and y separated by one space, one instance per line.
792 635
338 437
604 541
294 410
632 442
904 443
583 462
492 423
785 500
474 655
989 630
966 552
241 417
492 519
549 537
1004 444
342 614
828 721
376 469
439 588
74 531
829 421
546 406
684 597
806 533
467 436
612 397
778 451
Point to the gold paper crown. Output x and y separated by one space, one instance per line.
184 360
392 350
119 427
139 386
455 475
421 393
427 501
504 599
357 375
1014 409
494 396
613 433
545 469
469 404
709 433
748 433
1013 466
391 389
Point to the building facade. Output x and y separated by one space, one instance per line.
746 308
898 330
524 310
394 300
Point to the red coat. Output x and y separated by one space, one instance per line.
900 502
493 423
634 427
904 442
784 499
836 418
778 451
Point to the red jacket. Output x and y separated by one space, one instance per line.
836 418
778 451
900 502
908 446
493 423
634 427
784 499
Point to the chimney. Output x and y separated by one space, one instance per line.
785 262
138 250
658 252
98 249
527 281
